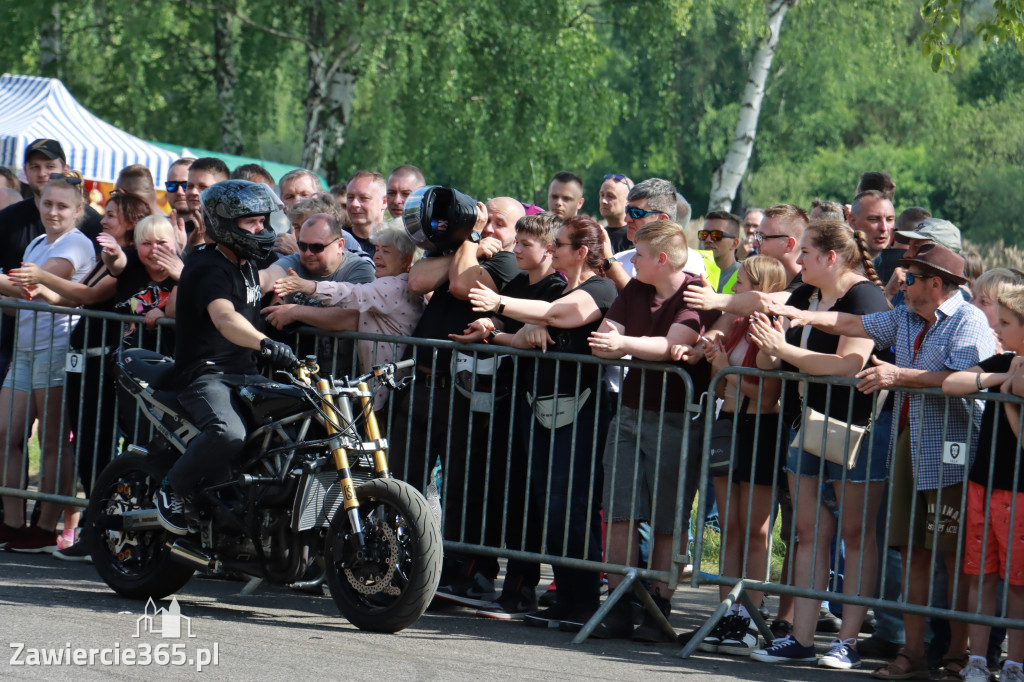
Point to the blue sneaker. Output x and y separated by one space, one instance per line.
785 650
842 655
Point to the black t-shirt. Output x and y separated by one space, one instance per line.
617 236
446 314
20 224
137 294
199 348
1007 451
546 289
862 298
575 341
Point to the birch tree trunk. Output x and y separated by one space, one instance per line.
726 178
329 93
225 76
50 43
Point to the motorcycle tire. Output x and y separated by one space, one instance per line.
390 586
135 565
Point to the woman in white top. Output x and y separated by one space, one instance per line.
34 386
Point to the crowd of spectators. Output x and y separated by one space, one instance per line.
849 290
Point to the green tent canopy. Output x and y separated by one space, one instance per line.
273 167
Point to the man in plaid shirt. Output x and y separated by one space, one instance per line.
934 333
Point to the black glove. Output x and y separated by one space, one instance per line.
280 355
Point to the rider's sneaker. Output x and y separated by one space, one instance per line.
785 650
841 656
477 591
513 606
170 510
34 540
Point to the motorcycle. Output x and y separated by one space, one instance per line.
312 489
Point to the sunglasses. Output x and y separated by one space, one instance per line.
620 178
315 248
557 244
760 236
70 179
638 213
173 186
713 235
911 277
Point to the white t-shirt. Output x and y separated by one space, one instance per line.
34 327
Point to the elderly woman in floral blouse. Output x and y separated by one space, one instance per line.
384 306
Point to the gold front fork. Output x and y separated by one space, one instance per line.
380 460
340 456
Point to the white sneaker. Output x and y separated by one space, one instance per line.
975 671
1011 673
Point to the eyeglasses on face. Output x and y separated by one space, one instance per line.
173 186
557 244
70 179
638 213
713 235
912 277
759 237
315 248
617 177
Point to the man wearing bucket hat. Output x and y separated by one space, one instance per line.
936 332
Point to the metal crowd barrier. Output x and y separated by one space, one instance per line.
748 577
469 438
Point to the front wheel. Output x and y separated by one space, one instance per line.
136 565
387 585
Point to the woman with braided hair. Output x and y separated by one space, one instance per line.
838 276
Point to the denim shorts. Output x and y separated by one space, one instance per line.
872 460
36 369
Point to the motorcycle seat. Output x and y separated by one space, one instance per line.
155 369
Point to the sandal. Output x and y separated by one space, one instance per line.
903 667
952 664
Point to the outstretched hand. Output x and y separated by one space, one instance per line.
292 283
484 300
881 375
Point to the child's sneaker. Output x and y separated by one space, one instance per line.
841 656
785 650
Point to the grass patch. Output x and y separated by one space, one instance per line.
712 547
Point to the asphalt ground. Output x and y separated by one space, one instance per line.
281 634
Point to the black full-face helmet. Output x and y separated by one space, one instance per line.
439 218
227 201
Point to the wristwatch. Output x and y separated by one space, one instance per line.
491 334
608 262
474 237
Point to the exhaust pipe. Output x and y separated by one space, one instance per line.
192 556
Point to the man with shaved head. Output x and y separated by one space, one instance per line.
432 419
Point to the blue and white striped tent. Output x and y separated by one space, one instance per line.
32 108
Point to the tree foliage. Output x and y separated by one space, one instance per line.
496 97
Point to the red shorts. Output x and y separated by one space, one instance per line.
1001 537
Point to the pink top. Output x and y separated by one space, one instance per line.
386 306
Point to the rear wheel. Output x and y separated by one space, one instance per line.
138 564
387 585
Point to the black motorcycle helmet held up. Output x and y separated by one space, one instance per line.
227 201
439 218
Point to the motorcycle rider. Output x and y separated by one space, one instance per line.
217 339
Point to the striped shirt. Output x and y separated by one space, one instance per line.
959 339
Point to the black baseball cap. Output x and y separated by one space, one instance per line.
51 148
